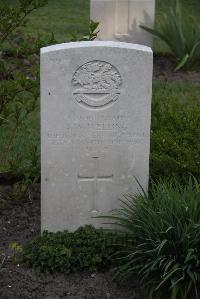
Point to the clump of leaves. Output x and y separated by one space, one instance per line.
19 93
12 17
164 227
86 248
16 250
181 34
90 36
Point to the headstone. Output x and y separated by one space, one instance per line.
120 19
95 129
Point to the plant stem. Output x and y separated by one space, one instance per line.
7 146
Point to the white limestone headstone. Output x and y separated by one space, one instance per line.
120 19
95 129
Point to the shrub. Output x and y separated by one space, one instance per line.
175 134
12 17
86 248
164 230
19 93
19 89
181 34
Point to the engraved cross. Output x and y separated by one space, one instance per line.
95 179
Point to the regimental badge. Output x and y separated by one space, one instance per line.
96 85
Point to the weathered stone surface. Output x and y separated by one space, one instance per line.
95 127
120 19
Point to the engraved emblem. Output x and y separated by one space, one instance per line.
96 85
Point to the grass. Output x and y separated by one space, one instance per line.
63 17
183 92
175 134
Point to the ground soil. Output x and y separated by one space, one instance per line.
164 70
19 223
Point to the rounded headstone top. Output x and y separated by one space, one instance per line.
83 44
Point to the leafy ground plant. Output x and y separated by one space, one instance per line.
86 248
164 239
181 34
90 35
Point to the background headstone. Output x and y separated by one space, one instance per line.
120 19
95 129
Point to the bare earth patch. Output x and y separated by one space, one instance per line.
19 223
164 70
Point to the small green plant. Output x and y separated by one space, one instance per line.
181 34
86 248
164 230
2 262
16 250
90 36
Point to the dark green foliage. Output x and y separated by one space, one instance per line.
164 227
19 105
11 17
175 133
180 33
86 248
91 34
19 90
19 97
